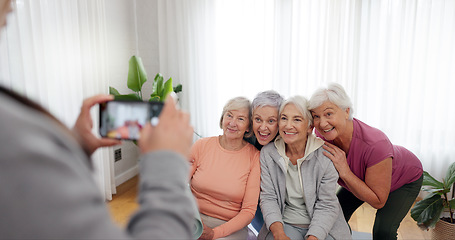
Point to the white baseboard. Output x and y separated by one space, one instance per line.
127 175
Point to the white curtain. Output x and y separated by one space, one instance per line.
53 51
395 58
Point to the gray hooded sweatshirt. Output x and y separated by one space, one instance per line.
319 181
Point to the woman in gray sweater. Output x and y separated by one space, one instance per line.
298 183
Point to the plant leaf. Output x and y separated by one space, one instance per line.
428 210
136 74
450 176
157 84
178 88
167 89
436 191
129 97
428 180
452 204
113 91
154 99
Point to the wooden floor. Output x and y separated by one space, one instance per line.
124 204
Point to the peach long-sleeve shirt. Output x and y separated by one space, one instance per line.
226 184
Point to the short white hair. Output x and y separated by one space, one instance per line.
334 93
301 103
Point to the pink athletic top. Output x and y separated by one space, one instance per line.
226 184
370 146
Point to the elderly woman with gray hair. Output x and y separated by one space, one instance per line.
298 183
265 108
371 169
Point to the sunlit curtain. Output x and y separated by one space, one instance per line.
53 51
395 59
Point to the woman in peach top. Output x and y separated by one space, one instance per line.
225 175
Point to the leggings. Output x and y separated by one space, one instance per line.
389 217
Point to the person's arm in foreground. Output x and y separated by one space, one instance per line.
376 188
166 210
48 191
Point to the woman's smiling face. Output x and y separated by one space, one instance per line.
293 126
265 124
330 120
235 123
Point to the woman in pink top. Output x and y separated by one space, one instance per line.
225 175
371 169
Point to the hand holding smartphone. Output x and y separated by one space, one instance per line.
121 119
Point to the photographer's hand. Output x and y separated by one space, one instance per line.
84 124
173 132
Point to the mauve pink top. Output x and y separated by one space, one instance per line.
370 146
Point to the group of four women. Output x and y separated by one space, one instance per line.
294 172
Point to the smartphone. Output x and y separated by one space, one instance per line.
121 119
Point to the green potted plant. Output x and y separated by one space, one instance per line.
427 212
136 79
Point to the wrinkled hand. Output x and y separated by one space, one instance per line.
84 124
277 230
173 132
338 158
207 233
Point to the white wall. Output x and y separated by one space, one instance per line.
123 42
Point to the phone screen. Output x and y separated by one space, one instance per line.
125 119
